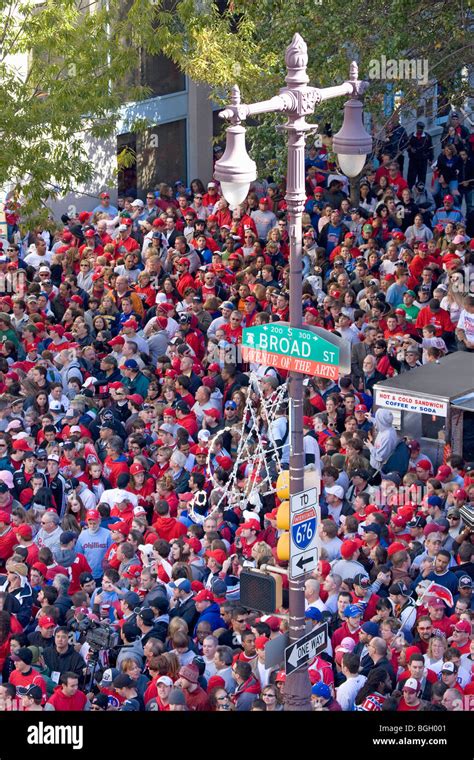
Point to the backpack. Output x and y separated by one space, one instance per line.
398 460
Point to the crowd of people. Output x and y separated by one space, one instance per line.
126 518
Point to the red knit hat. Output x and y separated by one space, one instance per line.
215 682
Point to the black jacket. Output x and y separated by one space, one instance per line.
24 599
37 640
70 661
420 149
187 610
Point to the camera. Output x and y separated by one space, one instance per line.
102 637
467 514
99 636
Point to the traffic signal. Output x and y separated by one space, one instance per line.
260 590
283 485
283 515
283 523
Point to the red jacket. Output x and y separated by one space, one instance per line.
80 565
440 319
110 558
7 542
25 679
70 704
341 633
112 469
168 528
184 282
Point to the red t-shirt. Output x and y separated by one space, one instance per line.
25 679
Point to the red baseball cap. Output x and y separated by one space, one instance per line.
424 464
24 531
45 621
397 546
21 445
218 554
463 626
134 571
136 467
399 521
215 413
225 462
119 527
251 525
92 514
194 543
448 198
349 547
136 398
360 408
261 642
204 596
443 472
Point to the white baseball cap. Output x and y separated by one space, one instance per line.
336 491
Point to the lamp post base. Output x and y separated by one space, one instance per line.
297 692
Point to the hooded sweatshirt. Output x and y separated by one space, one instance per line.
168 528
246 694
385 441
75 563
211 615
60 701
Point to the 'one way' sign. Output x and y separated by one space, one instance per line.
306 648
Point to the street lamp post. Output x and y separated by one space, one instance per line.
235 170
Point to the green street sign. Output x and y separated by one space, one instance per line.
294 349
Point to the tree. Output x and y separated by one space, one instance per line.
245 40
77 77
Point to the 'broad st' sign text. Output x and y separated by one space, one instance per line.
298 350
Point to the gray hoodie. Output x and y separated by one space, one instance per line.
386 439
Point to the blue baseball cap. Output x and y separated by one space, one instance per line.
352 610
321 689
230 405
130 364
182 584
373 528
435 501
312 613
227 305
371 628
